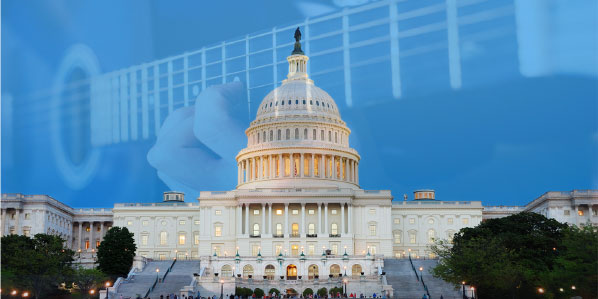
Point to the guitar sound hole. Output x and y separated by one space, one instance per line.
74 116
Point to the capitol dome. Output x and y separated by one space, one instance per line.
298 139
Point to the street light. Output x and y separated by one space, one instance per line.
541 290
107 284
421 275
472 292
221 288
345 281
91 292
26 294
463 284
14 292
345 270
157 273
573 287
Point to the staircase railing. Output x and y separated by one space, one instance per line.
158 278
419 277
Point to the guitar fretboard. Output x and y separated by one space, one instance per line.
382 50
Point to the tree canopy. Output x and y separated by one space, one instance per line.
88 279
37 264
116 252
515 256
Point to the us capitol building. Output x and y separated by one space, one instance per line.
298 210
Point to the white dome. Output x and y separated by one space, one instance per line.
297 97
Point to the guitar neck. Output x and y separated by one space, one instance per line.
131 104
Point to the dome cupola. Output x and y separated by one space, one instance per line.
298 139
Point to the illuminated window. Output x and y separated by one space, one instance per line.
372 227
218 230
86 244
311 249
397 220
333 212
334 229
305 166
411 220
97 243
316 166
144 223
87 229
144 239
196 222
311 212
450 221
311 228
295 229
373 249
196 238
465 221
431 236
412 238
287 166
397 237
256 212
580 213
163 238
334 249
226 271
295 212
256 229
430 221
372 211
218 212
182 222
279 229
182 238
278 212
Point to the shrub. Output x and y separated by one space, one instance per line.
258 293
308 292
274 290
322 292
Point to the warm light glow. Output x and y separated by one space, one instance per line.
222 281
561 290
26 294
157 270
421 268
472 288
409 249
107 283
463 282
92 292
541 290
14 292
573 287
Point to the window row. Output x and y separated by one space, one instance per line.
431 236
163 238
332 136
464 221
311 229
298 103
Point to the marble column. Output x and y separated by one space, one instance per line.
270 217
92 242
17 220
311 166
302 219
286 219
320 218
80 234
246 169
350 218
246 219
3 224
345 170
280 166
101 231
356 173
342 218
263 228
239 219
301 165
292 157
326 219
260 169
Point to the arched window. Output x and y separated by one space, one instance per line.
304 133
288 135
278 135
431 236
312 271
226 271
270 272
356 270
334 229
247 270
335 270
256 229
296 133
311 229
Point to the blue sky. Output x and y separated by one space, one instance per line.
521 122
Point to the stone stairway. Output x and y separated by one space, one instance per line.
180 275
404 283
140 282
436 286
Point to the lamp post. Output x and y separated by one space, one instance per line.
91 292
463 284
345 281
421 275
473 292
25 294
157 273
345 270
221 288
107 284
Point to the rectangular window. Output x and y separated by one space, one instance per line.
567 212
450 221
26 232
279 229
316 166
255 249
333 212
256 212
218 212
86 244
373 249
87 229
311 212
97 243
182 222
144 239
287 166
334 249
411 220
372 211
412 238
305 166
397 220
218 230
98 229
311 249
372 229
196 238
27 216
129 223
144 223
594 212
397 237
277 249
278 212
465 221
163 238
196 222
182 239
580 213
295 212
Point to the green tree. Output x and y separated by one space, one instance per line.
503 258
258 293
274 291
88 279
308 292
116 252
37 264
322 292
